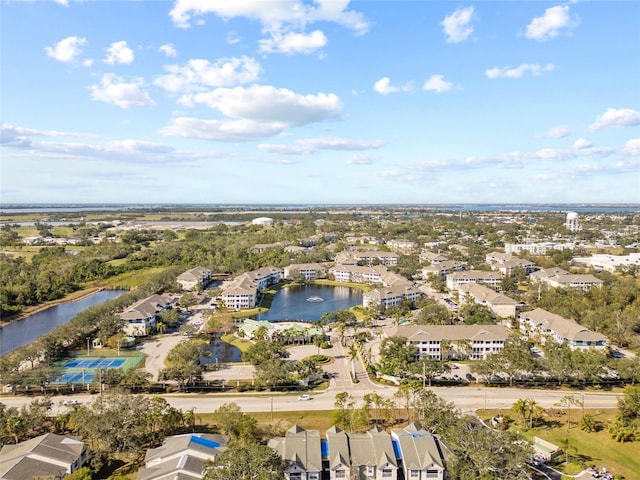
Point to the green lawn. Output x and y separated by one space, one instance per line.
130 280
586 448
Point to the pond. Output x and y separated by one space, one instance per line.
25 331
309 302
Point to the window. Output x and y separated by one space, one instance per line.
386 473
340 474
414 473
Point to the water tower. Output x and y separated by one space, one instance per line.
572 222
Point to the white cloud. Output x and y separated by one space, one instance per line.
437 84
457 26
560 131
274 14
359 159
233 38
67 49
264 103
616 118
87 63
632 148
113 89
291 43
312 145
168 49
198 73
64 3
219 130
581 143
384 87
518 72
551 23
119 52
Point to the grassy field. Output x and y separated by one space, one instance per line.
131 280
240 343
585 448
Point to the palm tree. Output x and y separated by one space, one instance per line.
353 355
161 327
445 347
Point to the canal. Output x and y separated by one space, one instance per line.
27 330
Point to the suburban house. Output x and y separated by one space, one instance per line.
541 325
46 456
422 453
491 279
140 318
443 342
443 268
243 291
387 297
557 277
182 456
508 265
300 449
499 304
370 455
305 271
198 277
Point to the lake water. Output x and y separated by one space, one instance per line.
25 331
309 302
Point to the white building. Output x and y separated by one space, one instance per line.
491 279
571 223
541 325
472 341
194 278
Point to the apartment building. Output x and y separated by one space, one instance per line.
541 325
443 342
499 304
305 271
490 279
140 318
198 277
391 296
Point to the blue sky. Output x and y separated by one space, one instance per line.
290 101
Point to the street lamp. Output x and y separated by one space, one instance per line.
88 338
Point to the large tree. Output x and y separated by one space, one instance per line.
246 462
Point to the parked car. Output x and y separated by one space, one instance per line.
71 402
470 377
304 397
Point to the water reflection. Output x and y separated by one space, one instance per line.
293 303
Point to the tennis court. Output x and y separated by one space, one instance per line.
86 370
100 363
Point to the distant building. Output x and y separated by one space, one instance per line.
536 248
305 271
491 279
609 263
571 223
262 221
243 291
